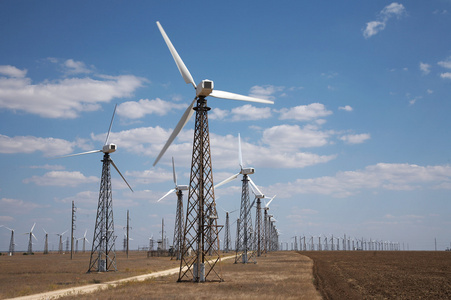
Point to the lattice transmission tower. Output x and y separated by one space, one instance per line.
244 245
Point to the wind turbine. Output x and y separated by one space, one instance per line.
201 230
85 240
244 239
103 255
179 226
11 242
46 242
30 241
227 238
60 245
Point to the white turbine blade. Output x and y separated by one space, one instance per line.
83 153
270 201
32 234
233 96
185 118
32 227
253 184
114 165
171 191
111 123
174 176
227 180
240 155
64 232
86 231
178 61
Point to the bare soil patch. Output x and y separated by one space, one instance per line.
382 274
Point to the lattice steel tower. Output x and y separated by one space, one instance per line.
103 254
243 253
259 237
178 228
201 229
227 239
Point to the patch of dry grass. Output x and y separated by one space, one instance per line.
280 275
22 275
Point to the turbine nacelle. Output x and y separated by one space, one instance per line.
247 171
182 187
109 148
204 88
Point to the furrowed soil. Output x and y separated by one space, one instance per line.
278 275
382 274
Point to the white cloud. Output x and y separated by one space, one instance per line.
12 71
380 176
29 144
445 63
373 28
446 75
151 176
291 137
61 178
225 153
63 98
250 113
265 92
218 114
16 206
49 167
75 67
390 11
355 138
304 112
137 110
346 108
425 68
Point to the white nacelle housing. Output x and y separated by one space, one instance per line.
204 88
247 171
182 187
110 148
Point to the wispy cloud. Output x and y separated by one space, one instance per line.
265 91
425 68
304 112
29 144
390 11
355 138
380 176
61 178
346 108
63 98
143 107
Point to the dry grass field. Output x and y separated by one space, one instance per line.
281 275
382 274
22 275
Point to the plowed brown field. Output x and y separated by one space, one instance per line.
382 274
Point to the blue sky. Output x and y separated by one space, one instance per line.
357 142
